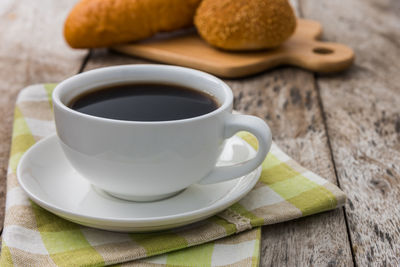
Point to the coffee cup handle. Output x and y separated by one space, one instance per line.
234 124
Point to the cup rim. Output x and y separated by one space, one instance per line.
57 92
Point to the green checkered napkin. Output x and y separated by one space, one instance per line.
34 237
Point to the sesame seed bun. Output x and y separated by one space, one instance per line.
245 24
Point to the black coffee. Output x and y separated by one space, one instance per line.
144 102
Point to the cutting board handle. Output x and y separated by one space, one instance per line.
320 56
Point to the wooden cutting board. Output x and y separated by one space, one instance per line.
302 50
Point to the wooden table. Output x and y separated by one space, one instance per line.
345 127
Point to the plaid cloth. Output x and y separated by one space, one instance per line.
34 237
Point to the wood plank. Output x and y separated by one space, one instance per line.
32 51
363 117
287 100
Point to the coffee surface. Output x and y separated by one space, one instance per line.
144 102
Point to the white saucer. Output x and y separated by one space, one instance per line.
50 181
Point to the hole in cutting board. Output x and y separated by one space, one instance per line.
322 50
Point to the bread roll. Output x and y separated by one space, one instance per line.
245 24
103 23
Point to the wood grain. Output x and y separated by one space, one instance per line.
362 110
32 51
287 99
302 49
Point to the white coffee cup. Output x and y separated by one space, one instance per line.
146 161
